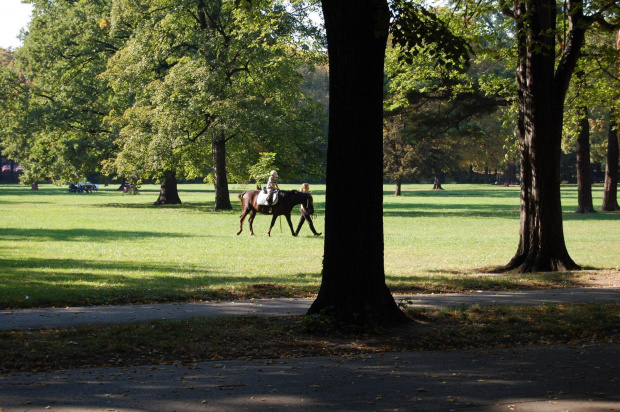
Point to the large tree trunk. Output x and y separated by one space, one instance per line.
353 289
584 170
610 192
220 181
168 192
539 129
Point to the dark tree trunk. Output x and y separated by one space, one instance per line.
399 184
353 289
539 130
169 193
437 182
610 192
584 170
220 180
510 173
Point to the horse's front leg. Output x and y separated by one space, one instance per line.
251 220
273 222
290 224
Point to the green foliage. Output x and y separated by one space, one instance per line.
594 87
228 73
419 32
260 171
61 135
450 113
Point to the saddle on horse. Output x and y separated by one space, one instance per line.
267 198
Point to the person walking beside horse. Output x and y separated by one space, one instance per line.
305 216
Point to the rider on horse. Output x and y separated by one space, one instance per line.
272 185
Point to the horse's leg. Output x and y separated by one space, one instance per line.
290 224
241 219
251 220
273 222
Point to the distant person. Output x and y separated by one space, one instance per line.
305 216
272 186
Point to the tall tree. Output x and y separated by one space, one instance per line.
610 192
542 84
353 288
584 171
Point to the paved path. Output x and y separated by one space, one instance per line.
558 378
72 316
545 378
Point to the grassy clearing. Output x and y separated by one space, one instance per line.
62 249
190 341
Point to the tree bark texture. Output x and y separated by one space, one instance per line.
353 289
169 193
584 170
220 180
610 192
541 92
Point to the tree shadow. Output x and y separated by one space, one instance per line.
452 210
82 281
75 235
492 191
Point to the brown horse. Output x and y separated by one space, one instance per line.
286 201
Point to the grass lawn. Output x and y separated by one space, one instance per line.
62 249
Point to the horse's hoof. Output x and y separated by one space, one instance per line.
238 233
318 234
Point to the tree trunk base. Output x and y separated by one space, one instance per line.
166 201
585 210
357 313
223 207
608 208
537 262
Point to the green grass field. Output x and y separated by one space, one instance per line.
62 249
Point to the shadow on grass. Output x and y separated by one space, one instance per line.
81 282
452 210
74 235
482 211
457 281
201 207
492 191
599 215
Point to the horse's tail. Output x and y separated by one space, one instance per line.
240 196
